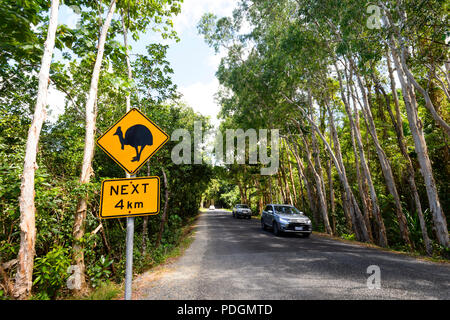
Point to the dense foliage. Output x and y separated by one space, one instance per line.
332 77
60 153
358 90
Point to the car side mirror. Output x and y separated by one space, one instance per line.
270 211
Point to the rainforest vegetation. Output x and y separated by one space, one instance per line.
67 173
359 91
360 94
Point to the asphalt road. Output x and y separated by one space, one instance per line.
234 259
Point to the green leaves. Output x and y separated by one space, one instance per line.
50 271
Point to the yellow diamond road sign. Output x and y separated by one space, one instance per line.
129 197
132 140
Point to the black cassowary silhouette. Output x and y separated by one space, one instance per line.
136 136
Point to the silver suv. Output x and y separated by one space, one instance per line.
285 218
242 210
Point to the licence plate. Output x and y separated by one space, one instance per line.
298 228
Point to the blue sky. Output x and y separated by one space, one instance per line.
194 63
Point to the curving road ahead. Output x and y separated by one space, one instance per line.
234 259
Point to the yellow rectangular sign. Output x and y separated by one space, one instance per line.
130 197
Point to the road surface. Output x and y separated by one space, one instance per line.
234 259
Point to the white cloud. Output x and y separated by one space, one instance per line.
193 10
200 96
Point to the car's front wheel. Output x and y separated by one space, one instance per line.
263 225
276 230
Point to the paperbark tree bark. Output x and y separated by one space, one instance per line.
24 274
164 217
358 223
332 198
291 177
397 124
89 146
416 127
352 210
319 189
301 169
384 161
354 124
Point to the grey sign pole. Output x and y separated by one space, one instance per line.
129 254
129 257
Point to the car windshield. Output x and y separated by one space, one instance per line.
242 206
287 210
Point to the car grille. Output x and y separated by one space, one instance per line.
291 226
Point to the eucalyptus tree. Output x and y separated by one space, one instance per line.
23 280
139 14
89 145
399 52
295 50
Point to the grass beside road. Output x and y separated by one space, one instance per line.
113 291
415 255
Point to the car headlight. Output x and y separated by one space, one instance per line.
308 221
284 221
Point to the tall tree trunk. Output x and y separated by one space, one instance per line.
359 178
359 226
145 221
270 189
280 185
241 192
286 185
291 177
316 155
24 274
354 124
164 216
127 59
89 145
319 188
301 170
260 195
384 161
416 127
332 199
398 127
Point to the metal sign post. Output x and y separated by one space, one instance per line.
129 253
131 142
129 258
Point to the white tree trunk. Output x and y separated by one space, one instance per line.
354 123
302 176
23 280
384 161
397 123
127 58
357 220
317 179
415 125
89 145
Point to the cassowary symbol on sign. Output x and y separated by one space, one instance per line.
136 136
